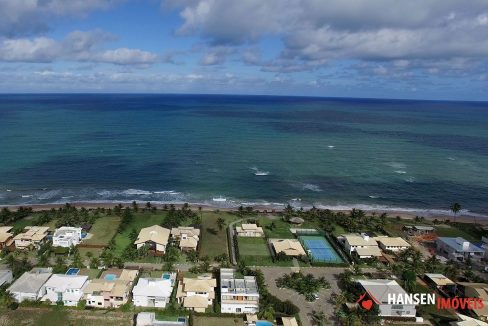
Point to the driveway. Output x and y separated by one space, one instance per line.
306 308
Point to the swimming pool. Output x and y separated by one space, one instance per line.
73 271
166 276
110 277
320 249
263 323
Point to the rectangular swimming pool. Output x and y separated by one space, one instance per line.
319 249
73 271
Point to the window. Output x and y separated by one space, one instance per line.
238 310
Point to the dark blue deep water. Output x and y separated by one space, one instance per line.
388 154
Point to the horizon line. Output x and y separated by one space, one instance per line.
249 95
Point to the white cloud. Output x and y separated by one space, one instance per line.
314 32
77 46
19 17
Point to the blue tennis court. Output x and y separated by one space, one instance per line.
320 249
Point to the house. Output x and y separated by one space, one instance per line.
30 286
249 230
289 321
149 319
296 220
66 236
111 290
6 238
475 290
362 245
418 229
187 237
153 292
290 247
196 293
484 246
392 243
155 237
379 290
5 276
238 295
67 289
439 281
458 249
467 321
33 236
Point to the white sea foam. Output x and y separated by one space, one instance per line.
410 179
374 196
450 158
331 146
311 187
136 192
400 172
167 192
49 195
26 196
397 165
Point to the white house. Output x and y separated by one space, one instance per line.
361 244
392 243
196 293
379 290
30 286
238 295
153 292
5 276
67 289
155 237
458 249
66 236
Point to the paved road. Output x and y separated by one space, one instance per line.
231 233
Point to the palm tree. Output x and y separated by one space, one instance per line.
220 223
455 208
318 318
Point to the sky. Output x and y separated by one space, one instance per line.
424 49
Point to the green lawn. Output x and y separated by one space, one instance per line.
91 273
454 231
140 221
214 240
220 321
103 230
277 228
252 246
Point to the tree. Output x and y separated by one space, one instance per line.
318 318
133 235
135 206
220 223
455 208
409 277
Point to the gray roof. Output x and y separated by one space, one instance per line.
457 244
30 282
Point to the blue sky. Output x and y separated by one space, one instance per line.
432 49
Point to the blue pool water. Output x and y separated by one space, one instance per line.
110 277
320 249
73 271
166 276
263 323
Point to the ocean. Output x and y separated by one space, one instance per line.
252 150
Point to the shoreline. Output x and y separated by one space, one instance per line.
404 214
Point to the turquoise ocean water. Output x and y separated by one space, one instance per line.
338 153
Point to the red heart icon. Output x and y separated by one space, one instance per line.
367 304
